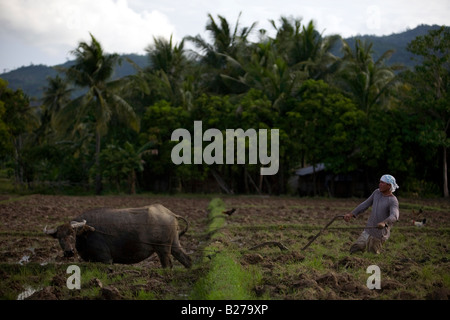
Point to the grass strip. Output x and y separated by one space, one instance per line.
226 278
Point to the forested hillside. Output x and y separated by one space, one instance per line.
353 111
397 42
31 79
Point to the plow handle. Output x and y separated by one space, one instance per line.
320 232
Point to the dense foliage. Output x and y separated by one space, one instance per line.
350 111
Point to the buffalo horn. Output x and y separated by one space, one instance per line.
76 224
51 231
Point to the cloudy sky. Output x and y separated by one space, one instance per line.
45 31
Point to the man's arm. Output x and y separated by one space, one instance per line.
394 212
363 206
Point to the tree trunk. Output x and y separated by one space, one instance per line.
445 173
247 189
132 182
314 180
261 183
98 175
253 183
18 172
281 181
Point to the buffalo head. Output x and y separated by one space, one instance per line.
67 233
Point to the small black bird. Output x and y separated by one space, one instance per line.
229 212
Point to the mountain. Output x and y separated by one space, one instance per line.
32 79
398 42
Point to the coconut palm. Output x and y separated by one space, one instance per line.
93 70
56 96
370 83
304 48
225 42
269 73
279 65
169 68
367 80
315 53
56 93
165 56
287 38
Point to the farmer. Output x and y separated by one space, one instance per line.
384 213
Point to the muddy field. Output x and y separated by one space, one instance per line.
24 246
414 263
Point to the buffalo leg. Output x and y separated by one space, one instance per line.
181 256
164 256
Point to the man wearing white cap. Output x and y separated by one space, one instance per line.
385 212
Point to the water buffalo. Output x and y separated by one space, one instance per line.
124 235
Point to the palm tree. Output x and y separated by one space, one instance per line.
93 70
304 48
225 42
269 73
279 65
316 53
168 69
167 57
287 38
367 80
56 96
370 83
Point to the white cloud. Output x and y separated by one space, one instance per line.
56 24
45 31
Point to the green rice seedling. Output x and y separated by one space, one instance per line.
145 295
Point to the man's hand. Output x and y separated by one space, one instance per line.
381 225
348 217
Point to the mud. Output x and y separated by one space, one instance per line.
414 262
414 265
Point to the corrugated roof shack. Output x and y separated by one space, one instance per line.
318 181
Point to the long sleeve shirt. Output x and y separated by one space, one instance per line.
384 209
